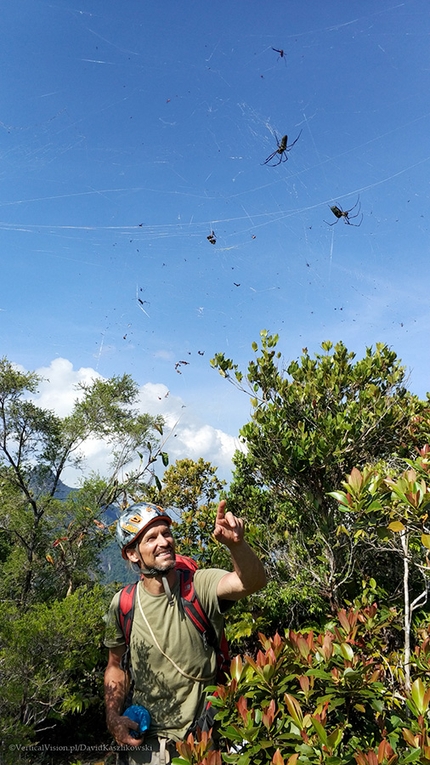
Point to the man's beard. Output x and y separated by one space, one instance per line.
160 570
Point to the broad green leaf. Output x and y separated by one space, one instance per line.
334 739
322 735
347 651
340 496
294 709
414 756
418 694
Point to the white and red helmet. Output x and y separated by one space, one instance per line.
135 520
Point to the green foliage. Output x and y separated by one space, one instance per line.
35 447
50 660
312 421
334 697
391 511
51 606
346 695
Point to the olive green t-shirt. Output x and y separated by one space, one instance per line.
172 699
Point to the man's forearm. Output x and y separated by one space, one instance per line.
115 684
248 575
116 688
248 567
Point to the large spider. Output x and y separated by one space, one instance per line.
282 150
281 52
339 213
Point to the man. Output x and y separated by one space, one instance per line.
171 665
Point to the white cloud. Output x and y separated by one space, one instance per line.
58 390
185 434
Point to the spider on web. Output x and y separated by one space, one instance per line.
280 51
282 149
345 214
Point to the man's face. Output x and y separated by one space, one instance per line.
156 547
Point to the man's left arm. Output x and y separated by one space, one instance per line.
248 575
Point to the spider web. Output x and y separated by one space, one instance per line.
141 231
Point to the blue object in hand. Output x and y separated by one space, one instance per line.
141 716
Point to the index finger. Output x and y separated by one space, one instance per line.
220 513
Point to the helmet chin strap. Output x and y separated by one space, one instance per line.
167 590
152 572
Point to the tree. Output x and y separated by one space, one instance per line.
50 657
51 606
312 421
389 514
46 533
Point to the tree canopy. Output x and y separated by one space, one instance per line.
50 541
312 421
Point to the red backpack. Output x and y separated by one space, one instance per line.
186 568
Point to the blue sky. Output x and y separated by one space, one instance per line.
130 131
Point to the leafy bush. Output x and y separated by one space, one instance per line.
337 697
50 663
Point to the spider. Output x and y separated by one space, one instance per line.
282 150
281 52
339 213
211 238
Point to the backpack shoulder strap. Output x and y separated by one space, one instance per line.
198 616
184 562
194 609
127 598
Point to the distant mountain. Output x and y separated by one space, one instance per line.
111 513
113 566
42 481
